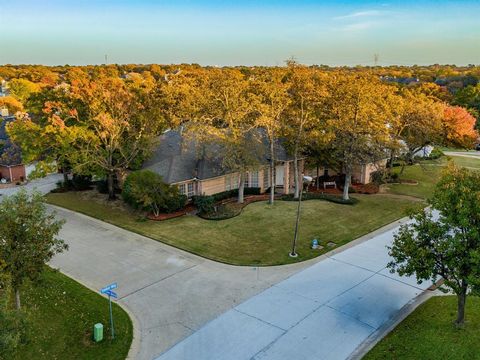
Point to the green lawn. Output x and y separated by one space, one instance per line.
427 173
261 234
61 315
429 333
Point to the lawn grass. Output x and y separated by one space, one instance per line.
61 314
261 235
429 333
427 173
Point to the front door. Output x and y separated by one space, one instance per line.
279 173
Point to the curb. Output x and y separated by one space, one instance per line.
136 333
390 325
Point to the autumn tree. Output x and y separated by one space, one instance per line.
301 120
446 247
415 121
272 99
21 89
121 128
226 120
12 104
28 238
355 111
469 97
459 127
49 140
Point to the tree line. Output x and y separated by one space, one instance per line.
94 121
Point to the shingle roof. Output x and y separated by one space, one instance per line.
10 154
176 158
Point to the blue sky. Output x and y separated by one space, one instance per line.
217 32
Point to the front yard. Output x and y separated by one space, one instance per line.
261 235
427 173
61 315
429 333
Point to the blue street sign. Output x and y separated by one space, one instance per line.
111 293
109 287
107 290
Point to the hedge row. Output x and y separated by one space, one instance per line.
326 197
205 203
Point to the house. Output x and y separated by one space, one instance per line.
11 167
361 173
178 161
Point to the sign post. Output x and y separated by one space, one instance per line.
108 290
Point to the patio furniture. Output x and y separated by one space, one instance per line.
329 183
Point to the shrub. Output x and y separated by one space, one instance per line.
327 197
13 331
203 203
146 190
383 176
435 154
223 212
80 182
102 186
234 193
378 177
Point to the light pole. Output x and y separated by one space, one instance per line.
305 180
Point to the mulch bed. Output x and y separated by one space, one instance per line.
358 188
250 199
188 209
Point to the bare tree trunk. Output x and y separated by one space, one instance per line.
111 190
65 176
17 299
318 177
390 161
272 172
296 176
241 188
348 175
461 301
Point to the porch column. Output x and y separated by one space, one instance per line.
286 177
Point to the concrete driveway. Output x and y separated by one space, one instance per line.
323 312
44 185
170 294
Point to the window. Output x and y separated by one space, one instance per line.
254 179
191 189
187 189
266 178
247 182
181 189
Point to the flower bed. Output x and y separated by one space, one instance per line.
230 208
187 209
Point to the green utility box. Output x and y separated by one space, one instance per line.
98 332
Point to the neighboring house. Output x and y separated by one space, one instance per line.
11 166
178 161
